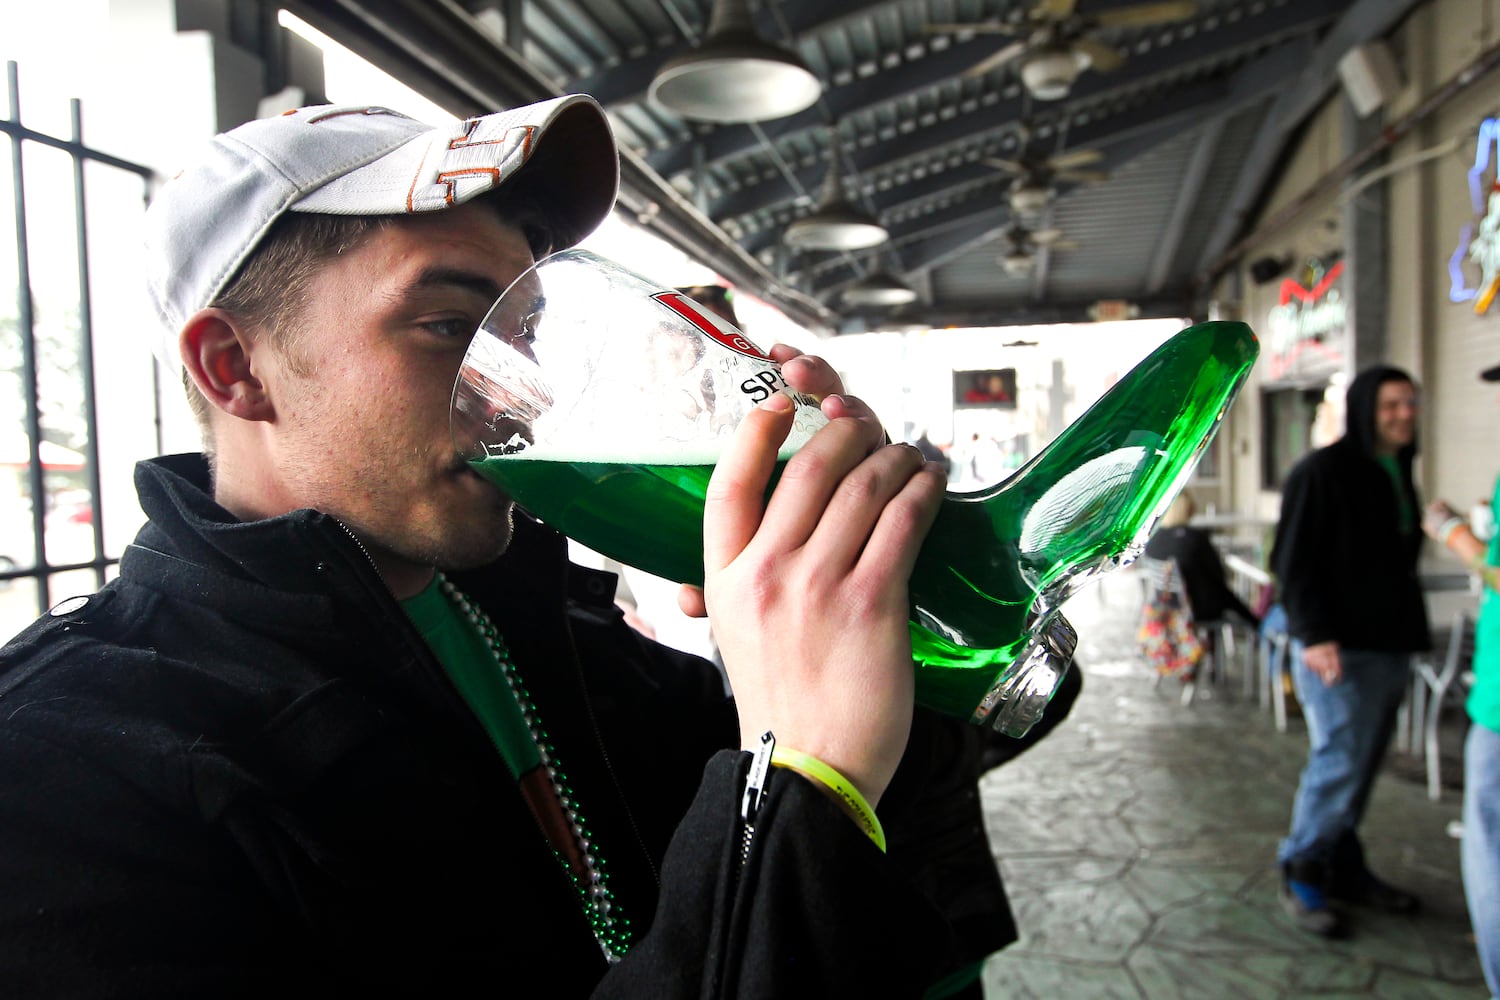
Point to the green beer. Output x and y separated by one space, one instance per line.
998 563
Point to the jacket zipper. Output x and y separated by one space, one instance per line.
755 792
423 652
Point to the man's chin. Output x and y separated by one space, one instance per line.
460 555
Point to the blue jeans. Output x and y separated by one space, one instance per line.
1481 847
1349 727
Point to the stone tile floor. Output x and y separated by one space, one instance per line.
1138 841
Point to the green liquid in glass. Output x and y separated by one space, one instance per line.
997 561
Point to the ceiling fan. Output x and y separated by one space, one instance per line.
1055 43
1036 176
1022 245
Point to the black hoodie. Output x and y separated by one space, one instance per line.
1347 571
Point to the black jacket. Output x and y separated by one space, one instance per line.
1202 573
1346 570
237 770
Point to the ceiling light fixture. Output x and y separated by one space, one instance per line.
1016 264
880 288
1029 198
1049 74
837 223
734 75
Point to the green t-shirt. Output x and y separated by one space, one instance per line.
1484 697
471 666
1405 519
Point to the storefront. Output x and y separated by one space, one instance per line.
1422 232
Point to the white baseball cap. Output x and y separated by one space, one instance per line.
207 221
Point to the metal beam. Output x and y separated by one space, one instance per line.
960 134
1299 96
1206 47
1188 192
1121 137
1191 105
626 82
934 238
1021 312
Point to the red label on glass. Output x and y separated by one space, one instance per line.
712 326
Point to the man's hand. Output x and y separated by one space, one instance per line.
808 591
1323 659
809 374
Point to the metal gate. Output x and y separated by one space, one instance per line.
41 463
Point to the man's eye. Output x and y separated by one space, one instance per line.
454 327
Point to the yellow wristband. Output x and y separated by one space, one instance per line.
854 803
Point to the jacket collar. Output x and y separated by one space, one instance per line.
288 551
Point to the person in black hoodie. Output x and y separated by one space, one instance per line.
1345 558
347 724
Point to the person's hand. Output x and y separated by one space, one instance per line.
1437 514
808 591
809 374
1323 659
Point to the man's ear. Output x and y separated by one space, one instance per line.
216 349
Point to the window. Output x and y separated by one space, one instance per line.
1287 420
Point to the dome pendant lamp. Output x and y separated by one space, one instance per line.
837 223
880 287
735 76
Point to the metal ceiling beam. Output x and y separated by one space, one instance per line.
437 48
914 77
967 228
947 226
1188 191
1247 84
626 82
1299 96
1022 312
878 163
917 77
1119 137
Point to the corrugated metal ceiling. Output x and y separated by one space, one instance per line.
1178 125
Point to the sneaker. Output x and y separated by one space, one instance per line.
1372 892
1309 909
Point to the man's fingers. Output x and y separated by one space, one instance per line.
812 376
690 601
859 502
841 405
910 515
809 483
782 353
734 502
807 372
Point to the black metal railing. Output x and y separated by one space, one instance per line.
42 571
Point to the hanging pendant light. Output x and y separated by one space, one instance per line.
735 75
837 223
880 288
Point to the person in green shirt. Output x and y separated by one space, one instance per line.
1481 840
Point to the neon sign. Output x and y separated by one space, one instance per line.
1482 249
1309 315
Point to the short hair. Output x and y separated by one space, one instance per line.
269 292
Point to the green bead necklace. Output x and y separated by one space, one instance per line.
611 928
